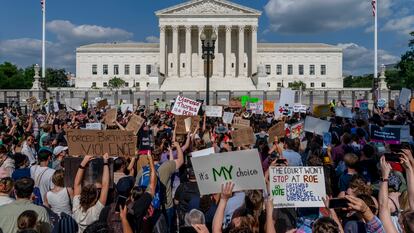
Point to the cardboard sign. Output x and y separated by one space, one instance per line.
204 152
317 126
185 107
256 108
93 172
405 95
301 108
287 96
239 122
135 123
93 126
195 121
243 136
127 107
31 100
243 168
296 130
385 135
214 111
73 104
322 110
227 117
102 104
268 106
344 112
277 130
405 134
98 142
295 187
111 116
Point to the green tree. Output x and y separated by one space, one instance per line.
406 66
393 79
56 78
364 81
116 82
297 84
11 77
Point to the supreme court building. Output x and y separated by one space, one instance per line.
241 63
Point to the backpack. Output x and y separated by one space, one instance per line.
66 224
36 190
144 181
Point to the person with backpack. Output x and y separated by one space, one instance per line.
163 196
42 175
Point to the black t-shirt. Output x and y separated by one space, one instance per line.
140 208
185 193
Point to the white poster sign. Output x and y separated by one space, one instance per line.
295 187
344 112
228 117
214 111
301 108
316 125
73 104
204 152
185 107
287 97
243 168
405 96
256 108
127 107
94 126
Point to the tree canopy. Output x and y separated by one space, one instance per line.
116 82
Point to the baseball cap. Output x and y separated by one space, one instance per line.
59 149
44 153
125 185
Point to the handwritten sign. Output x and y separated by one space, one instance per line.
214 111
195 121
110 116
185 106
94 126
268 106
322 110
301 108
239 122
317 126
412 105
385 135
277 130
344 112
243 168
73 104
102 104
256 108
227 117
382 103
296 130
31 100
135 123
295 187
98 142
243 137
235 103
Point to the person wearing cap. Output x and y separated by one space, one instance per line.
60 153
41 173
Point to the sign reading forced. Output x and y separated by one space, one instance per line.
97 142
185 106
243 168
293 187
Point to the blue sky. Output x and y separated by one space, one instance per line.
346 23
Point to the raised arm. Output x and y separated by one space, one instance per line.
77 186
126 228
105 180
406 162
333 214
270 224
204 122
384 210
180 156
131 167
30 123
187 142
153 175
226 193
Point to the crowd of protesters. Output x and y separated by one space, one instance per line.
157 191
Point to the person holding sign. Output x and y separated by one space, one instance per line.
88 201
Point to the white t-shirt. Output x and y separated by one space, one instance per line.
84 219
45 180
4 200
59 201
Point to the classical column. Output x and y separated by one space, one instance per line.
215 63
200 51
175 51
162 50
188 49
254 49
228 50
241 51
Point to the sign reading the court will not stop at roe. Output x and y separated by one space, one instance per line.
243 168
293 187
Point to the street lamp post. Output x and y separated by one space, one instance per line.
208 47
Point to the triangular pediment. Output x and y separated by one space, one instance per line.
208 7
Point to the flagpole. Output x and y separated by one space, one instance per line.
44 39
376 49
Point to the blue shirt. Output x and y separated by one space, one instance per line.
294 159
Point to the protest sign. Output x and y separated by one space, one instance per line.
381 103
295 187
412 105
228 117
247 99
92 174
287 96
55 107
344 112
223 101
317 126
243 136
243 168
187 124
102 104
31 100
277 130
98 142
214 111
285 110
296 130
185 107
94 126
73 104
235 103
239 122
256 108
385 135
327 139
127 107
322 110
195 121
300 108
405 95
110 116
268 106
405 134
204 152
135 123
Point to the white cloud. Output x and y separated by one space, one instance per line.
152 39
315 16
360 60
403 25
